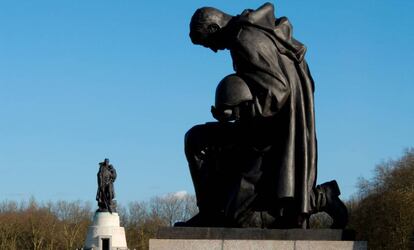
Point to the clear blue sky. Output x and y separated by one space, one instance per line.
84 80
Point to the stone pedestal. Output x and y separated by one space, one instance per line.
254 238
105 233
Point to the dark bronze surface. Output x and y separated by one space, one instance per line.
256 166
106 194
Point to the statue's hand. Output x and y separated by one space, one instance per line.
222 115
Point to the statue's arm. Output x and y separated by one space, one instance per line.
99 179
113 171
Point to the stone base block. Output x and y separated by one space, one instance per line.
168 244
183 238
215 233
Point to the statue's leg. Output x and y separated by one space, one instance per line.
225 167
202 146
246 170
197 144
325 199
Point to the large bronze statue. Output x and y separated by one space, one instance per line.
106 193
256 166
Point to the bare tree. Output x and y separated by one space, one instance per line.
75 218
383 212
40 227
172 207
10 230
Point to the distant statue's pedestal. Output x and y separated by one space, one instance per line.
254 238
105 233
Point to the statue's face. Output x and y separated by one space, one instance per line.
207 35
212 40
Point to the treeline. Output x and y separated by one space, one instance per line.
63 225
383 210
142 219
30 225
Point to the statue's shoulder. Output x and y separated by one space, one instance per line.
248 34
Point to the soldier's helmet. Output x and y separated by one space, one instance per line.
231 91
233 100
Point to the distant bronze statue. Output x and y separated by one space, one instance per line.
106 193
256 166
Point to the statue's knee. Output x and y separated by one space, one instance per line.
193 137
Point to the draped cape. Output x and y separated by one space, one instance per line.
272 63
